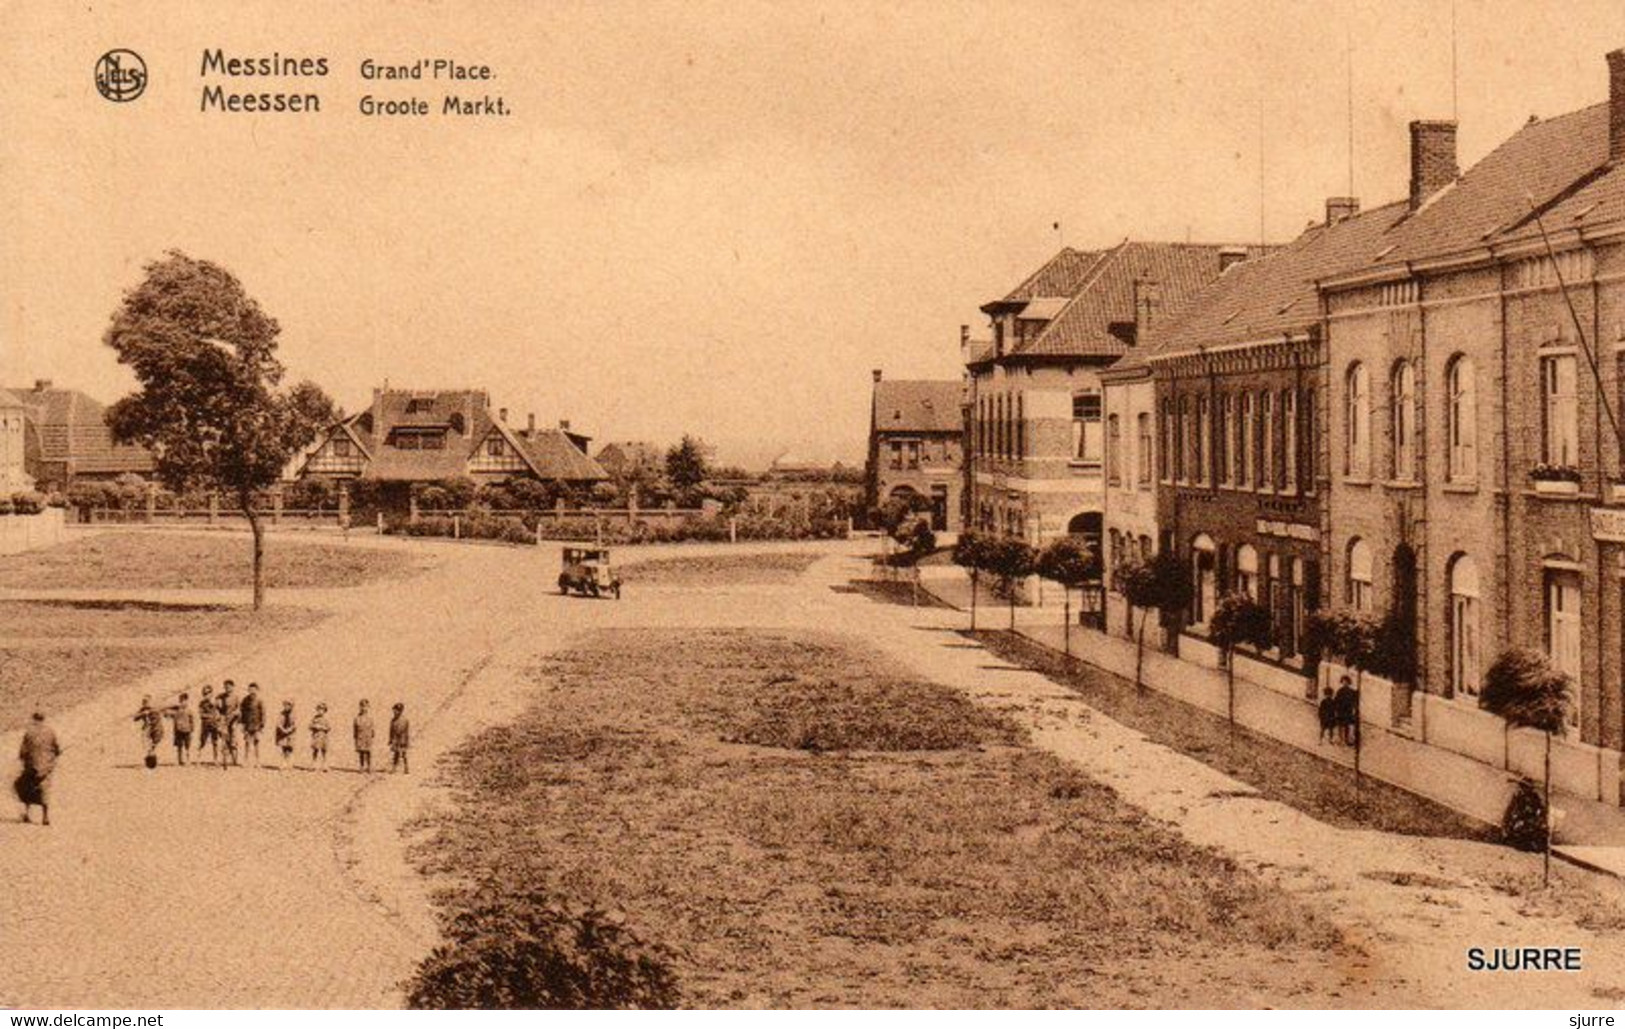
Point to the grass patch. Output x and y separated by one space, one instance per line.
724 570
90 619
920 856
1276 770
162 560
53 679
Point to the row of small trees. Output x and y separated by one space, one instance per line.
1066 562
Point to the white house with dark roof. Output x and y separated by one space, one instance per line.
916 445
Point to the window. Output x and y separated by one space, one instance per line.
1289 440
1357 423
495 446
1164 458
1021 425
1266 438
1114 450
1296 613
1182 439
1402 421
896 454
1205 596
1465 671
1359 575
343 447
1247 570
1226 440
1204 441
1086 427
1559 377
1143 425
419 405
1461 421
1244 443
1311 441
1563 614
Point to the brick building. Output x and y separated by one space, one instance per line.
916 446
1131 483
1037 422
1238 383
66 439
1477 383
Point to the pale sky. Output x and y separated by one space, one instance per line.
707 217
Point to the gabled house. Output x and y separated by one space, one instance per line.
421 436
66 439
1038 442
916 446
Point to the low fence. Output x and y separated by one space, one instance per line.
20 532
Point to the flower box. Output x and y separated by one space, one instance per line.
1557 486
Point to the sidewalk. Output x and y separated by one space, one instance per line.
1590 833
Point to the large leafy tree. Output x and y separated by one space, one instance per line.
210 405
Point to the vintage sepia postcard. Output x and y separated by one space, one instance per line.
870 504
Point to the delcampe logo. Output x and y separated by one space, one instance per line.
121 75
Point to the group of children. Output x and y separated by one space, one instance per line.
229 727
1340 714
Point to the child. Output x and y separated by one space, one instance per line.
228 720
152 729
208 714
180 717
364 733
1328 715
319 729
284 732
400 738
252 715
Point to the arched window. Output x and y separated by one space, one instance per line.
1203 571
1357 422
1461 420
1402 420
1247 570
1359 575
1465 670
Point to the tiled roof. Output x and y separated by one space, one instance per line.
9 399
390 464
1559 164
1275 294
621 454
71 427
1060 276
917 405
555 457
1105 299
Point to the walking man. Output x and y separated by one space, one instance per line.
400 739
39 752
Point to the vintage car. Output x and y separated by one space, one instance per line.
586 571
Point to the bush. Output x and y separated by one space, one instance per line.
513 949
28 502
1524 824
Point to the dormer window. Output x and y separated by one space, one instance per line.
418 439
419 405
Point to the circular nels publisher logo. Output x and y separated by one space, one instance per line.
121 76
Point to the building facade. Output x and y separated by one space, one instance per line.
916 447
66 439
1037 423
14 477
1131 477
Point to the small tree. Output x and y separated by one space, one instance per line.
1011 560
209 403
1238 620
686 466
1356 639
1162 584
971 553
1523 688
1070 564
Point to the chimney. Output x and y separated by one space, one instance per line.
1433 159
1340 208
530 424
1616 106
1147 306
1231 255
876 374
502 415
564 425
41 385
